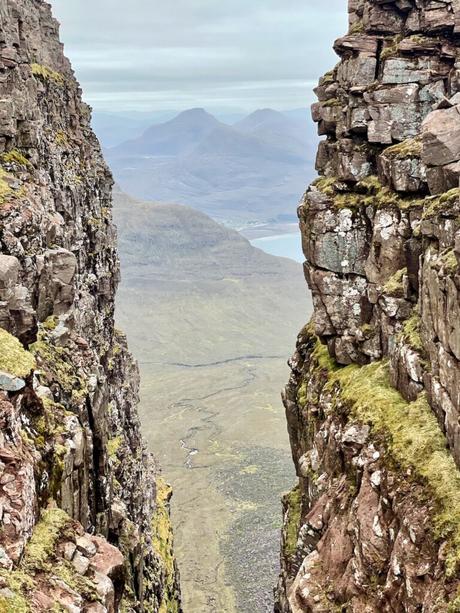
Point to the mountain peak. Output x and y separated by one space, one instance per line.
196 115
262 117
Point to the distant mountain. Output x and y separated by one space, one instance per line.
117 127
274 129
175 137
253 170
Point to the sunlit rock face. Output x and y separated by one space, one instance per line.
73 464
373 402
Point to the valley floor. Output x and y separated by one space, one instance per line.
221 438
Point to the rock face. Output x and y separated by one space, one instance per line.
84 526
373 403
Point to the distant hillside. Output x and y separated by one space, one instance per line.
175 137
254 170
174 255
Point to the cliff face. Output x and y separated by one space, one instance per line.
73 464
373 401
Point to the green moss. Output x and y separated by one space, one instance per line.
57 470
322 358
15 157
47 74
367 192
367 330
326 185
293 501
58 363
327 78
440 204
50 323
454 606
14 359
61 139
302 395
410 334
331 102
394 285
412 147
357 27
414 441
16 604
44 538
449 262
40 560
5 189
392 47
19 583
113 445
163 545
82 585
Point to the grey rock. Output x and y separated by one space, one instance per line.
10 383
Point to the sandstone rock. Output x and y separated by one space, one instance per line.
441 137
86 546
381 235
59 267
80 563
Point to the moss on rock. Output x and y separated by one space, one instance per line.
367 192
15 157
293 502
164 546
414 441
44 538
412 147
47 74
394 285
410 334
14 359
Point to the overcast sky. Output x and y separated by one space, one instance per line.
220 54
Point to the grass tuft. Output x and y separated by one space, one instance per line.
47 74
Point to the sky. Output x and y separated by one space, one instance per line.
152 55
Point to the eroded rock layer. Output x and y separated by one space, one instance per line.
84 519
373 403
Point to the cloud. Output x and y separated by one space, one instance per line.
151 54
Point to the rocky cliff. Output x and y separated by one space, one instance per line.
84 518
373 402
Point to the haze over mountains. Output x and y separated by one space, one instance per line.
251 171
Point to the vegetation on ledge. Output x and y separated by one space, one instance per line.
410 334
394 285
14 157
412 147
39 562
164 546
47 74
413 438
367 192
293 501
